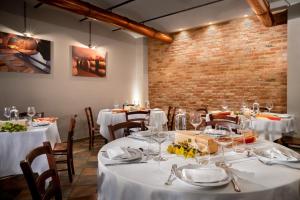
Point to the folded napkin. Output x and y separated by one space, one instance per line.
280 156
142 133
117 152
268 116
207 175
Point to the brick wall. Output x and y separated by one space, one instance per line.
231 60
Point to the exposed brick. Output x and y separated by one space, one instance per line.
232 60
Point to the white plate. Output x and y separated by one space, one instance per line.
143 133
36 124
135 155
265 155
182 178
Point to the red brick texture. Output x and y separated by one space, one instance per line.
231 60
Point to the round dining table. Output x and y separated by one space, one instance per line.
15 146
107 117
146 181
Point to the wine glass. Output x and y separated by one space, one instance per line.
269 106
200 158
224 105
7 112
224 137
31 112
160 138
195 119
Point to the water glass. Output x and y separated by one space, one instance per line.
159 138
200 158
224 105
225 137
195 119
180 120
269 106
7 113
31 112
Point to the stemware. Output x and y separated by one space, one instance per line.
31 112
203 159
224 105
160 138
195 119
224 138
7 113
269 106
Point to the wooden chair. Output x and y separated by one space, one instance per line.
220 118
93 130
124 125
39 115
204 111
171 117
263 109
145 113
290 142
65 149
37 184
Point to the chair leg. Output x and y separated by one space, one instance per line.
72 165
93 138
69 170
90 141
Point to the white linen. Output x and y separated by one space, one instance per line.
146 181
204 174
105 118
273 129
116 152
15 146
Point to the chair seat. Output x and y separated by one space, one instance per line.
60 148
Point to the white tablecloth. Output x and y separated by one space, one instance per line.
15 146
106 117
146 181
273 129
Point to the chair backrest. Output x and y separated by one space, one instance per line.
90 119
70 135
171 117
263 109
37 184
218 118
203 109
127 125
145 113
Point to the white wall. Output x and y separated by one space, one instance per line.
61 94
293 93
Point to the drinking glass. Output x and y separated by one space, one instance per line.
269 106
159 137
224 105
7 113
195 119
256 107
203 159
243 106
31 112
224 138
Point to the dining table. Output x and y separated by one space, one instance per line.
147 180
14 146
107 117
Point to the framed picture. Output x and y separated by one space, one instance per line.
88 62
24 54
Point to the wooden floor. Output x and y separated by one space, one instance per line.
84 184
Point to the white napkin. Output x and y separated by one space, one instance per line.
277 154
115 152
142 133
206 175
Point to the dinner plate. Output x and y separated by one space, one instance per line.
279 153
143 133
37 124
135 154
183 178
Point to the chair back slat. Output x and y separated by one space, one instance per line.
71 135
171 116
88 117
140 112
37 184
127 125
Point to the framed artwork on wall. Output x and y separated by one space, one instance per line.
88 62
24 54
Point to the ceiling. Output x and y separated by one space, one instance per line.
212 11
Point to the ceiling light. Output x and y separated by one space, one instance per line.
246 15
210 23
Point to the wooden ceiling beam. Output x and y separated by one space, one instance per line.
89 10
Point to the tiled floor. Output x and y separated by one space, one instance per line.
84 184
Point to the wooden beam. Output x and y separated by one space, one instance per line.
89 10
262 10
